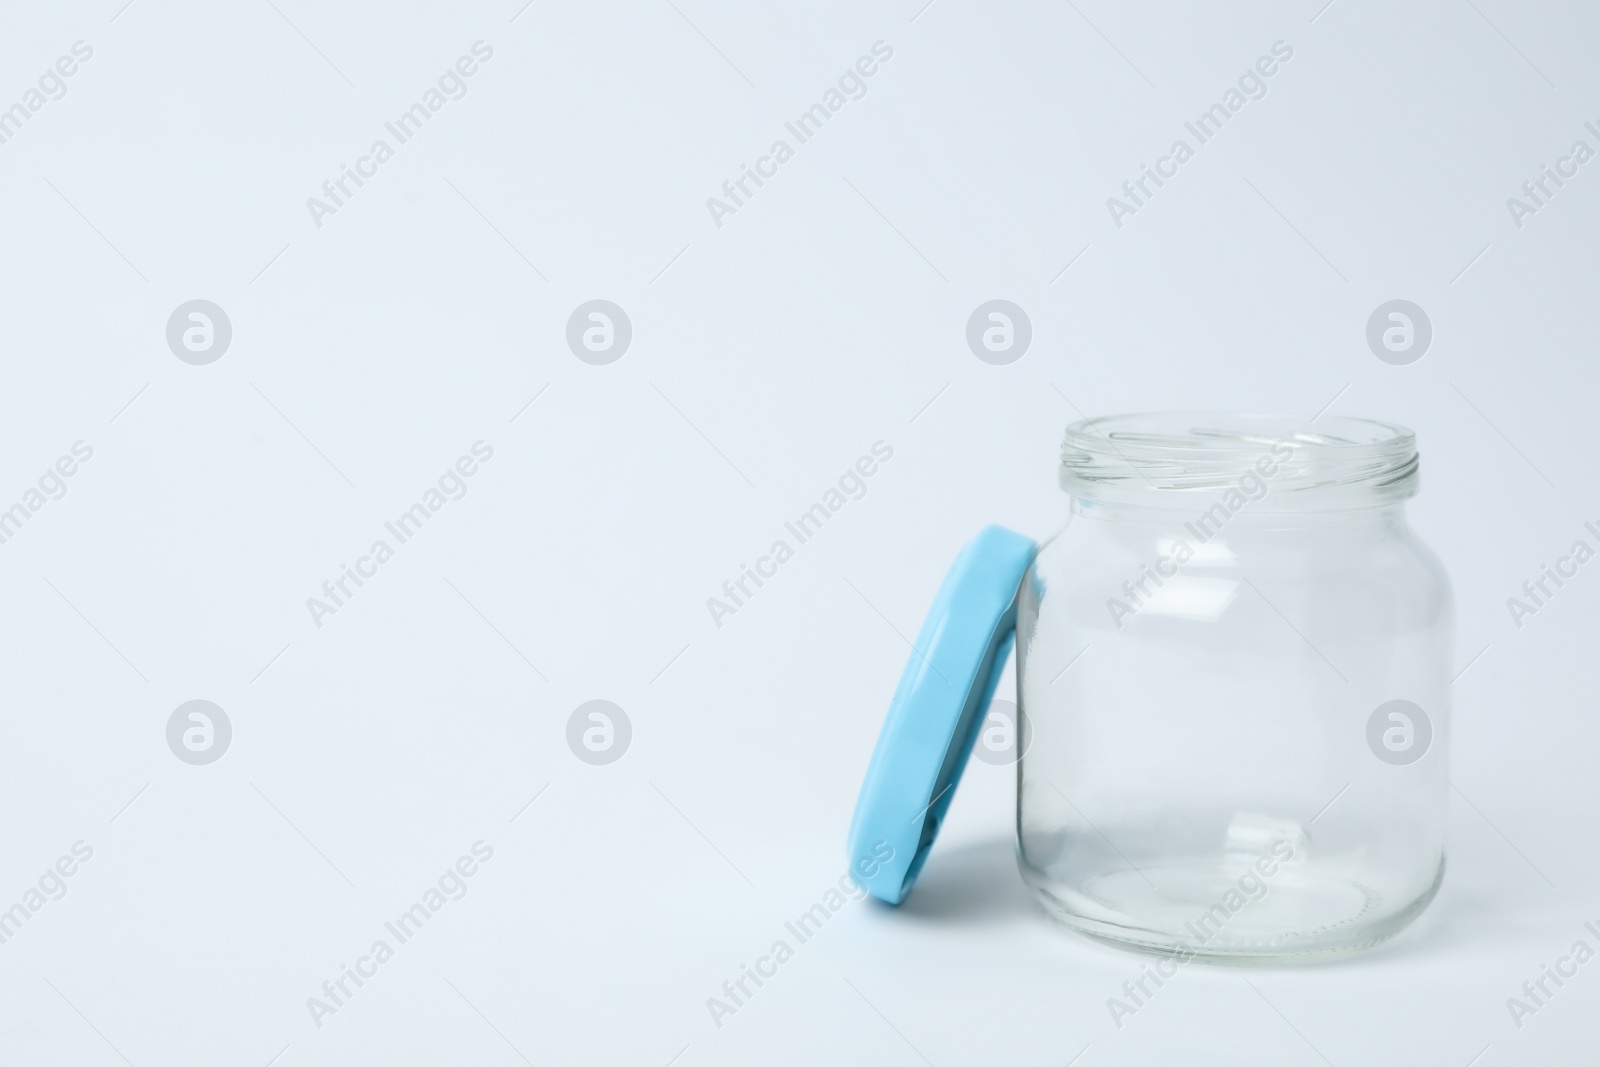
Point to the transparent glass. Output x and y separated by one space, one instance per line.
1234 665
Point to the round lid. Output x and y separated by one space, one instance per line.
936 712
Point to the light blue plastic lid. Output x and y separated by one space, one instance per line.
936 713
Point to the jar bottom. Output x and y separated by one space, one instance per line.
1199 910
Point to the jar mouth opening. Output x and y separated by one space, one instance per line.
1276 461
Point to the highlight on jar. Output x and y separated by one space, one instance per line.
1233 675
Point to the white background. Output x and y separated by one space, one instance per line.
768 354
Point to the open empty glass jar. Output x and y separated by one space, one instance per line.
1233 663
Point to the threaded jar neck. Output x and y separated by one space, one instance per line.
1277 462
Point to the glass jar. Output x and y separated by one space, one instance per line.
1233 676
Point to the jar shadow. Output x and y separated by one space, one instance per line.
1457 919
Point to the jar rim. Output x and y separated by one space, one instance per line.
1289 460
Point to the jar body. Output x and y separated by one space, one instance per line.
1238 736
